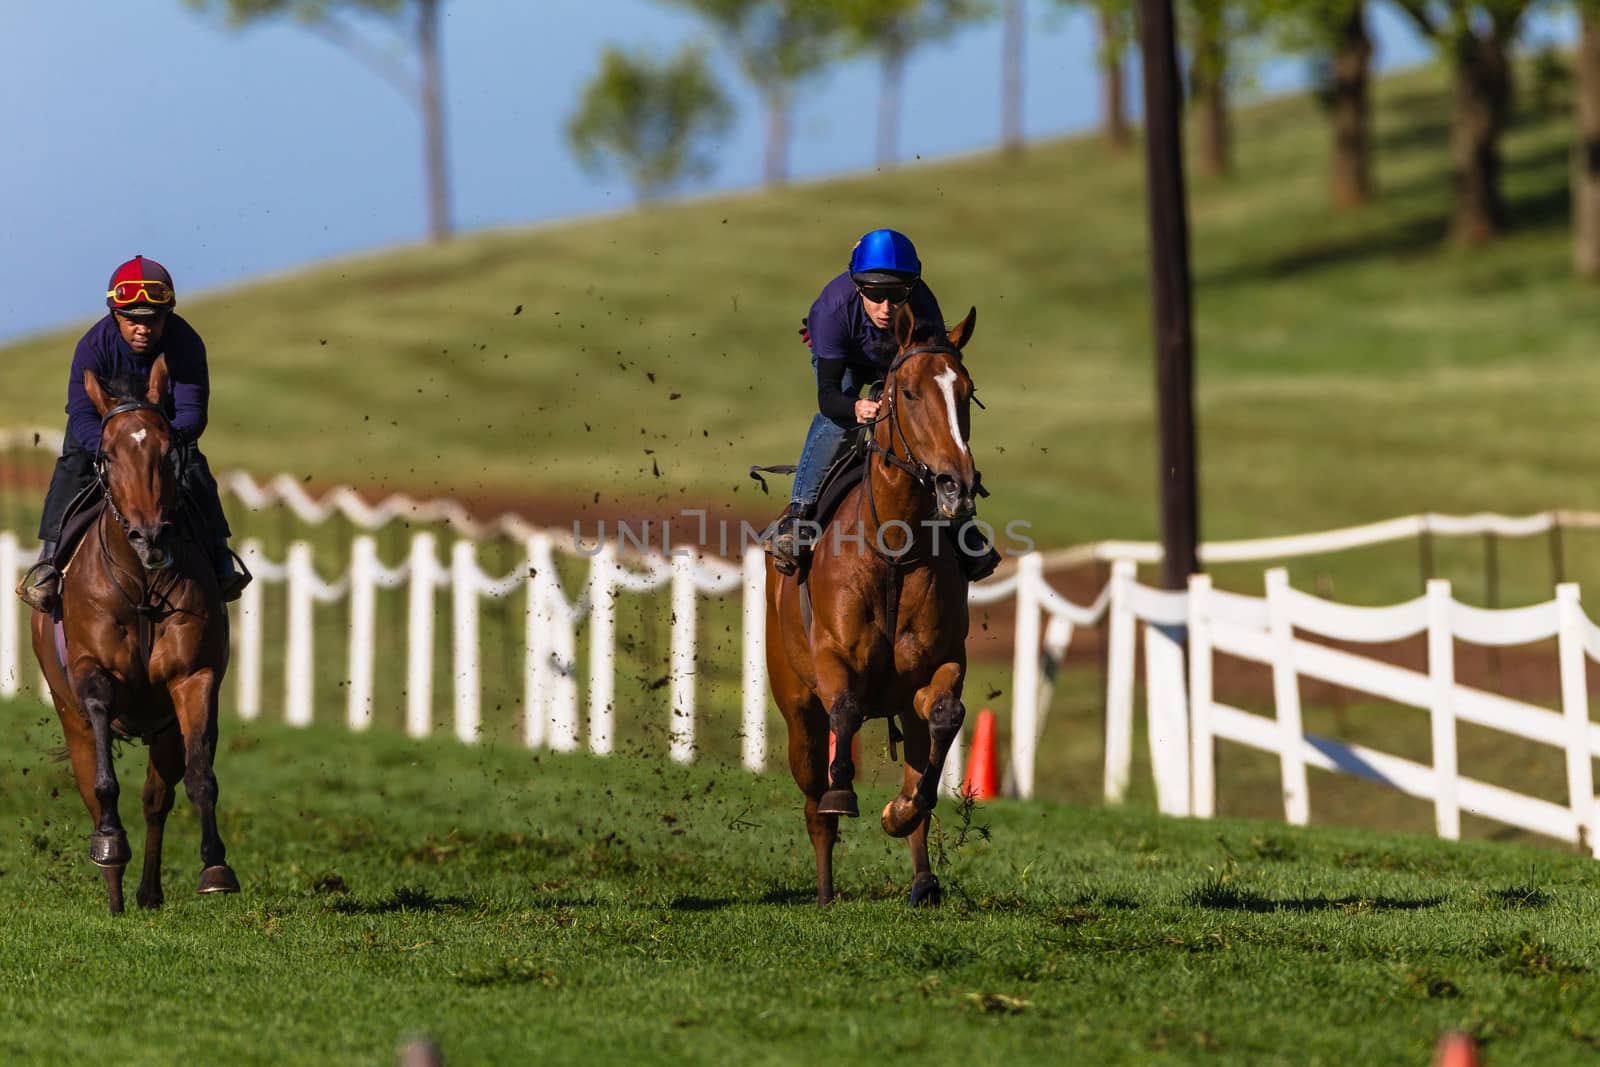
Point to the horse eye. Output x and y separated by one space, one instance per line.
908 394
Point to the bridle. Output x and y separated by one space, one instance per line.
102 462
919 471
154 601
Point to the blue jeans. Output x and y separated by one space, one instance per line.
823 443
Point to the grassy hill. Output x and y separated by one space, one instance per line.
1351 365
572 909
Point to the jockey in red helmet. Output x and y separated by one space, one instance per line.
139 327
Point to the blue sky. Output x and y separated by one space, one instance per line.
145 127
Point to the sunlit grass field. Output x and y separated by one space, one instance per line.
571 909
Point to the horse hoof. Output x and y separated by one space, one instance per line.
901 817
838 802
109 848
218 879
926 891
151 901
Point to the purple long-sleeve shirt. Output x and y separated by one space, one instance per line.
103 351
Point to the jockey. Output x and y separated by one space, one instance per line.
851 335
140 327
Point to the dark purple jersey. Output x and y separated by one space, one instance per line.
103 351
842 338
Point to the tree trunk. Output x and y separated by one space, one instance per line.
894 71
1011 56
1210 84
1482 101
1586 149
1113 96
775 162
429 92
1352 149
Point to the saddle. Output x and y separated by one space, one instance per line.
81 514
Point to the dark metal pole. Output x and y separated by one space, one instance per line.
1169 273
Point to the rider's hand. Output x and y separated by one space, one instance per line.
866 410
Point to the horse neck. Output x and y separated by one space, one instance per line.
895 495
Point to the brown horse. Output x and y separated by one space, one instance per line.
888 627
146 642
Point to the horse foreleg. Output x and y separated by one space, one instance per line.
194 698
108 845
939 704
902 818
160 788
844 719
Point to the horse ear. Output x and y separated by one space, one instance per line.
905 324
963 331
160 383
97 395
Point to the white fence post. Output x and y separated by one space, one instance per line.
536 625
1202 745
297 664
363 622
1119 682
680 731
1025 671
419 637
602 648
10 650
1442 671
464 638
1167 717
1575 707
1286 693
250 610
753 726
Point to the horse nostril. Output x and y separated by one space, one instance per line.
135 536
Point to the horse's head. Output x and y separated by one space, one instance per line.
137 464
928 394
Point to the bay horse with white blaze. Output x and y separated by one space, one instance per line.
145 642
888 614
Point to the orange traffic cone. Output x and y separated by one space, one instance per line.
1456 1050
981 780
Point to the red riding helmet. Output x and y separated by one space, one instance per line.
141 288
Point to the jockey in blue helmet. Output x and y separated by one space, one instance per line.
850 329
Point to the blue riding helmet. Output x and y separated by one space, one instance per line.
884 257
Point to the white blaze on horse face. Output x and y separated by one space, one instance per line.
947 382
138 436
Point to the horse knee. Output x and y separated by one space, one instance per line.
202 789
945 719
943 684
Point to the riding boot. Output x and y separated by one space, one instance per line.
786 542
979 567
40 587
231 579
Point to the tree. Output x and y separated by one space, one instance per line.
339 21
1114 26
894 29
652 119
777 44
1586 145
1334 34
1477 38
1209 40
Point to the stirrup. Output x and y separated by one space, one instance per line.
40 587
232 576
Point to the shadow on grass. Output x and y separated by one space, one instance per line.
1219 896
700 903
406 898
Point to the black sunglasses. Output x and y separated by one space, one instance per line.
877 294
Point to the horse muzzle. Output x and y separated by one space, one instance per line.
953 498
150 544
